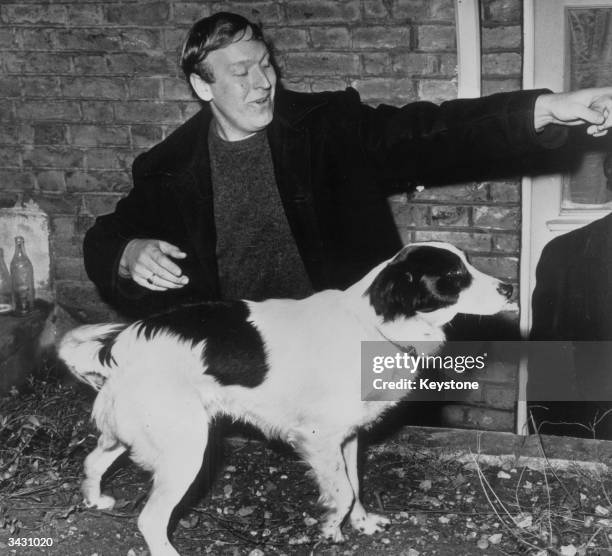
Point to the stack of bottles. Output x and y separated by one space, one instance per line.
17 286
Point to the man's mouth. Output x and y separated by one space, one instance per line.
262 100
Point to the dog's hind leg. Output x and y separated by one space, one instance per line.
336 492
178 462
96 464
361 520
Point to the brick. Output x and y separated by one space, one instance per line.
97 112
415 10
63 227
9 87
406 214
108 159
145 135
10 157
468 241
505 268
16 180
381 37
376 63
174 38
7 111
499 371
49 133
85 14
375 9
330 37
36 62
145 112
42 87
150 13
97 181
189 109
53 157
503 63
16 133
323 63
290 38
189 12
38 39
139 64
322 11
505 38
97 39
492 86
436 90
144 88
401 90
496 217
90 64
504 191
176 89
93 87
411 9
51 180
35 13
436 37
7 38
69 268
499 397
464 416
265 13
48 110
419 63
329 84
506 11
99 135
506 243
141 39
442 215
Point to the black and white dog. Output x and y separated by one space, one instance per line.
292 368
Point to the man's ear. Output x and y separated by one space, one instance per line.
201 88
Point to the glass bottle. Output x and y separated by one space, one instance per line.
6 286
22 276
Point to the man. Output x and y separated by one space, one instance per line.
267 192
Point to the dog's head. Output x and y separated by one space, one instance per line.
436 281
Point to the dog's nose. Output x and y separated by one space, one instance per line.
505 290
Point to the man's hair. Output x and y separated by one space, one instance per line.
212 33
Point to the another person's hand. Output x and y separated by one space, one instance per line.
587 106
148 263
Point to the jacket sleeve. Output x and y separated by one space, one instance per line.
459 138
135 216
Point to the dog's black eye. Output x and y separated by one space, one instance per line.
453 283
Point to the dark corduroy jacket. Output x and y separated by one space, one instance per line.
335 161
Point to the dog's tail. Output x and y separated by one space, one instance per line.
87 351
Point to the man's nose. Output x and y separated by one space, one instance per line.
261 80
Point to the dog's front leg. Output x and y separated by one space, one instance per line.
368 523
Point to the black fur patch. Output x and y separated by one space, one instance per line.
234 353
423 279
105 355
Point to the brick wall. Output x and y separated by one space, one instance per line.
87 85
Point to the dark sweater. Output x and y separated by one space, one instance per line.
257 255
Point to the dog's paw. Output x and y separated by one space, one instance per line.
370 523
102 502
331 532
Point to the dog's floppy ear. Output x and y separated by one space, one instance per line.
395 292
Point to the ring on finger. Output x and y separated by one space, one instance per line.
150 278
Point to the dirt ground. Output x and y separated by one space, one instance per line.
262 502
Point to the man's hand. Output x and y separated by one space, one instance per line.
587 106
148 263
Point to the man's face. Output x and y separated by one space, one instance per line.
242 94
